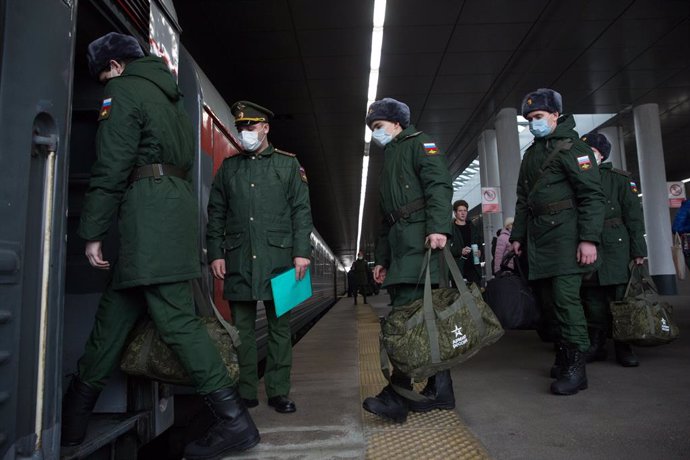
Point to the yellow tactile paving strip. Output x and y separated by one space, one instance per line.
432 435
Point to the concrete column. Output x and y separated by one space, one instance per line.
657 219
617 157
508 145
489 170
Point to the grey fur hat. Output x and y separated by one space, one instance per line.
599 142
112 46
542 99
390 110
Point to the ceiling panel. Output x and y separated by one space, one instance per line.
455 63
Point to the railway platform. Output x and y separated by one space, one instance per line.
504 408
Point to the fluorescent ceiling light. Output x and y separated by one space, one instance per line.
686 180
375 63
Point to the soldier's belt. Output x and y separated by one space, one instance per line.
551 208
156 170
612 222
404 211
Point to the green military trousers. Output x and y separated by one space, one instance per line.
171 307
279 350
561 294
596 300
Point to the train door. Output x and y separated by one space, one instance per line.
35 89
217 144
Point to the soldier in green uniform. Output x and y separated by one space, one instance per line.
559 216
259 222
145 153
415 201
622 241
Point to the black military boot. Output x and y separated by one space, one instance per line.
573 376
625 355
389 404
559 362
439 394
77 405
597 347
233 431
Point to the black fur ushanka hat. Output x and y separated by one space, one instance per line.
112 46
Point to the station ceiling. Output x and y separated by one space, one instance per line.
455 63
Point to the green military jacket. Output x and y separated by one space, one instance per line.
259 219
142 122
413 168
552 238
623 235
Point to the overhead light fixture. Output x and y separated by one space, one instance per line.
374 64
686 180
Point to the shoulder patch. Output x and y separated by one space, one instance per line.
584 162
283 152
303 175
104 113
633 187
430 148
621 172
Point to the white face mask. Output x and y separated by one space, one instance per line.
381 137
250 140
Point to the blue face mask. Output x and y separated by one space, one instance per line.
540 127
381 137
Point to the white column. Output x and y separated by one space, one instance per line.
508 145
489 170
657 220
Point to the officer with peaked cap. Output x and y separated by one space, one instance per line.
415 199
622 242
559 215
259 222
145 154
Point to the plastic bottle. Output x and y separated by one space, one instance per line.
475 254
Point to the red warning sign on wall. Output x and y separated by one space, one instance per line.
491 200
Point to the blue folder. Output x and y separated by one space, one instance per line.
288 292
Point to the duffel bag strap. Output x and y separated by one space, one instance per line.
234 335
429 315
386 371
464 291
640 274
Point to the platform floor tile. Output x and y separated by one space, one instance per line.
431 435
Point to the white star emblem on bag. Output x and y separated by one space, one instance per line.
457 331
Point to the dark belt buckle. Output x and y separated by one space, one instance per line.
157 170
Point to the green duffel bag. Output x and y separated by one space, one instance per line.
641 318
146 354
445 328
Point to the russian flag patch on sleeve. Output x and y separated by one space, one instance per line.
584 163
430 148
105 109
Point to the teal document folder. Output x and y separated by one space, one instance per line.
288 292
